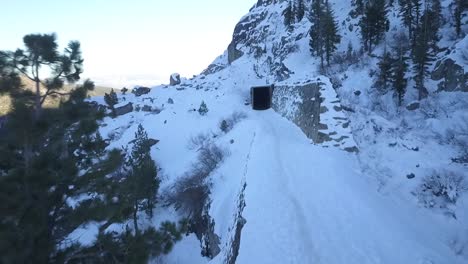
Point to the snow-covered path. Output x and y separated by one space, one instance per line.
308 204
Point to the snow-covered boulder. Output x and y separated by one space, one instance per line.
125 109
174 79
139 91
453 75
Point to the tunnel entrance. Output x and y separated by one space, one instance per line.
261 97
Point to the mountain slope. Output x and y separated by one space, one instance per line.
280 197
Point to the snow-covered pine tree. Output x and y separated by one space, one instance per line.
408 15
384 75
203 109
330 32
300 10
358 8
288 15
425 48
142 182
111 99
400 66
373 23
460 6
316 42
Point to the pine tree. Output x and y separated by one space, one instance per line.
41 52
316 34
358 8
422 55
300 10
460 7
434 22
400 81
203 109
38 182
330 32
142 179
373 23
111 99
400 66
385 71
288 16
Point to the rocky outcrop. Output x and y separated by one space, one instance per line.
122 110
300 104
174 79
146 108
413 106
314 108
453 76
233 53
139 91
213 68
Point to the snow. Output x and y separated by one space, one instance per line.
314 207
309 203
84 235
190 246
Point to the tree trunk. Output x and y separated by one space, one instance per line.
135 222
37 103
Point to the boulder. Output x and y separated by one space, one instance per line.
139 91
174 79
146 108
170 101
233 53
413 106
123 109
452 75
152 141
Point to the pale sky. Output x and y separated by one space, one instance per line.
129 42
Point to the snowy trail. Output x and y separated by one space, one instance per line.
308 204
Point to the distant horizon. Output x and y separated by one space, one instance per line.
123 44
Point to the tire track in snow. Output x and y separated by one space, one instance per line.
283 180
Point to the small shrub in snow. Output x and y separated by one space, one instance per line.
227 124
200 141
440 188
111 99
224 126
203 109
190 194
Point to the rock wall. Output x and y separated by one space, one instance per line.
316 110
301 105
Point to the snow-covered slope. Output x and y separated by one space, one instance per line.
279 198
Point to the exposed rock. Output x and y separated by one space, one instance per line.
323 109
233 53
139 91
348 109
413 106
352 149
152 141
98 107
239 224
146 108
304 100
170 101
453 75
123 109
337 108
174 79
213 68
